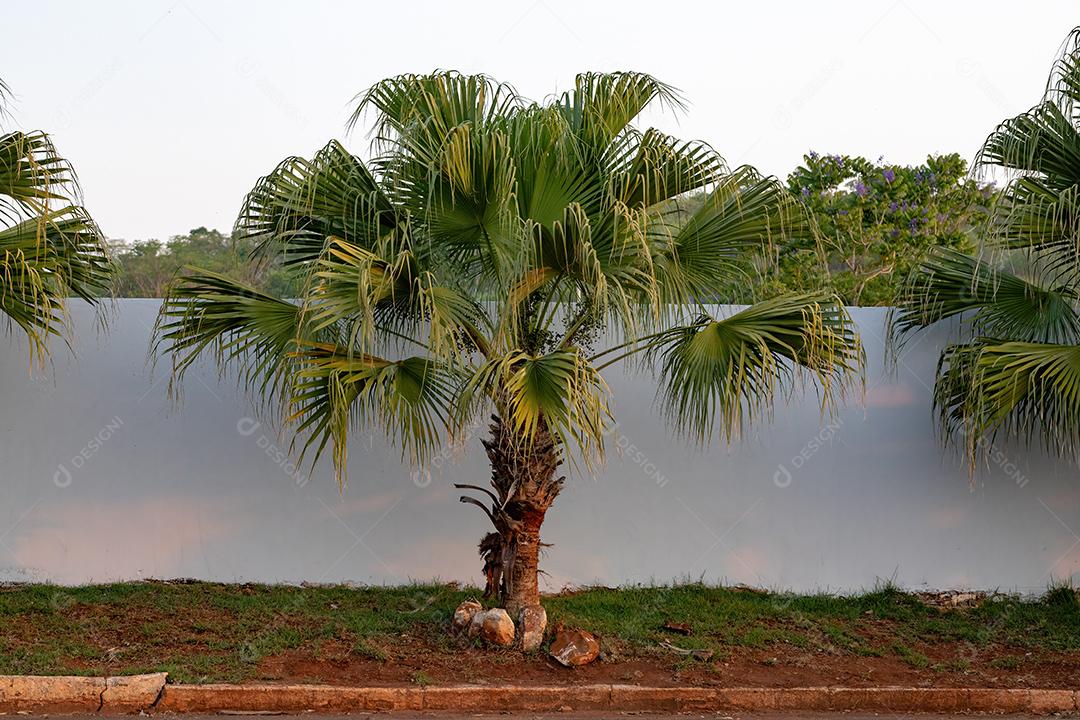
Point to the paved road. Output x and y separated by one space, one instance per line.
590 716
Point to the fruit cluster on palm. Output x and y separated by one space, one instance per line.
50 247
1015 373
491 260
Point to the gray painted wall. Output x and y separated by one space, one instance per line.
102 479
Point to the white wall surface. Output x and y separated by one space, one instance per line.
103 478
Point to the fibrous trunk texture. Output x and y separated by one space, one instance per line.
525 486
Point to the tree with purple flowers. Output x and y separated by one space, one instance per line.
876 221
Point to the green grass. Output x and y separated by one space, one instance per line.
202 632
1007 662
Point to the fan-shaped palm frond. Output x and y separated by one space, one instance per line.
255 333
729 371
302 202
337 390
1027 391
702 255
419 111
50 248
560 393
997 303
601 107
1017 376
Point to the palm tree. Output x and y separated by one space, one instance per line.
50 247
1015 371
473 266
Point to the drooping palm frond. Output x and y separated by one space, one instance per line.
729 371
1024 391
50 248
336 390
44 261
997 303
1018 375
238 326
1040 151
302 202
390 294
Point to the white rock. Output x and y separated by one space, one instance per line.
532 621
464 614
493 626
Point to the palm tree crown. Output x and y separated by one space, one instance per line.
50 247
1016 371
475 263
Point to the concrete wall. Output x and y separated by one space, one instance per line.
102 478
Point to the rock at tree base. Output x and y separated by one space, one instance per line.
532 621
464 614
575 647
493 626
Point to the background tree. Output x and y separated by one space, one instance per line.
146 268
876 223
495 257
50 247
1016 369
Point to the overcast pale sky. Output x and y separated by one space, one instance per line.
171 110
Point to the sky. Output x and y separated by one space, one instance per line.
171 110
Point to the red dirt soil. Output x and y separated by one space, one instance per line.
777 666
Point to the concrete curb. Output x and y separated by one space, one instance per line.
69 694
621 698
150 693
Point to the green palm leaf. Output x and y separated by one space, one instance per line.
336 390
729 371
560 393
1019 374
703 254
50 248
238 326
997 303
295 208
1024 391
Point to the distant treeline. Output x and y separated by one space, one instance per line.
147 267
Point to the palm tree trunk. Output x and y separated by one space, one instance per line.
523 478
